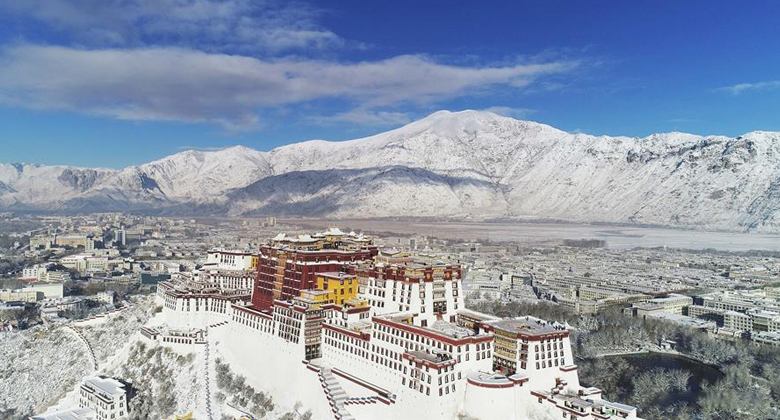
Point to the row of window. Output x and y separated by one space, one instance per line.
547 364
256 322
551 345
427 390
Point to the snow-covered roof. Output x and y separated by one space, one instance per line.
334 231
108 386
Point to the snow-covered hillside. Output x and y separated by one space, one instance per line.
30 186
41 365
449 164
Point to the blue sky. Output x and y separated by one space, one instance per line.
120 82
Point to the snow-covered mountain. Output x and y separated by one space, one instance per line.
449 164
30 186
186 177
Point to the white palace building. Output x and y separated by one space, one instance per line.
400 346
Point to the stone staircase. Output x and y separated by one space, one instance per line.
336 395
218 324
90 350
361 400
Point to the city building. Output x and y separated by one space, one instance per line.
49 290
771 339
105 396
36 272
740 311
106 297
20 295
44 273
672 304
69 303
231 260
41 242
56 277
737 321
85 263
75 241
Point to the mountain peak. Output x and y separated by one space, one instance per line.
463 115
237 148
453 123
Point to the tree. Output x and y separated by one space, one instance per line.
735 397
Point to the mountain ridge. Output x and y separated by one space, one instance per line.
450 164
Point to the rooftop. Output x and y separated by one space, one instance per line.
496 378
108 386
434 358
450 329
671 298
768 335
477 315
336 275
526 325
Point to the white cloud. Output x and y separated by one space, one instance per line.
747 87
186 85
257 26
507 111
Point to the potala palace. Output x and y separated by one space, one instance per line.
357 332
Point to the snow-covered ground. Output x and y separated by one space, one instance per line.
50 362
110 336
166 383
41 365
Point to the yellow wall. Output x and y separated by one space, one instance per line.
338 290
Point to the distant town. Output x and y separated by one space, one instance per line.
263 318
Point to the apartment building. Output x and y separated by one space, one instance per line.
107 397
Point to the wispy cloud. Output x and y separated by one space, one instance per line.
510 111
233 90
257 26
750 87
363 117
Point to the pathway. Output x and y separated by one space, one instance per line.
90 351
207 377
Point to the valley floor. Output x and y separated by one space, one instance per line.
620 237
